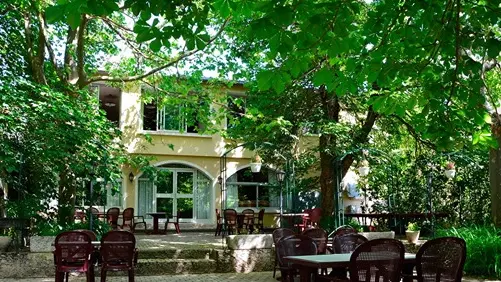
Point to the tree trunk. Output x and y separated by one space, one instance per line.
66 203
495 173
327 175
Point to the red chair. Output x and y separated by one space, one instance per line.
176 223
248 220
277 235
230 220
112 217
305 219
219 223
128 219
73 250
314 218
118 253
260 221
294 245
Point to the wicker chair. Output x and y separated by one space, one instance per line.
72 253
341 230
319 236
260 221
294 245
277 235
377 260
441 259
347 243
112 217
248 220
230 220
118 253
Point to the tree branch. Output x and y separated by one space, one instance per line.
82 76
72 33
157 69
45 38
413 132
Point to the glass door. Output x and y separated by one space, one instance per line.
174 192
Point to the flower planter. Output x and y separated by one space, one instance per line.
412 236
378 235
255 167
4 243
450 173
364 170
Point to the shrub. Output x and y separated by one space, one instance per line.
483 249
52 228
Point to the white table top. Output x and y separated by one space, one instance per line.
335 258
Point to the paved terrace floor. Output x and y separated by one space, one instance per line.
185 240
214 277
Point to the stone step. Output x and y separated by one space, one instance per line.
175 266
175 254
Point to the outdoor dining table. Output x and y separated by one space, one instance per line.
310 264
156 216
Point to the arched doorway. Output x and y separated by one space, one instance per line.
177 187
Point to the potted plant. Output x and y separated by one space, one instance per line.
363 168
412 232
256 163
450 170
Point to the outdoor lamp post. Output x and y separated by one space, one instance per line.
280 178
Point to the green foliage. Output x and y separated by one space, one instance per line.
483 247
413 226
52 228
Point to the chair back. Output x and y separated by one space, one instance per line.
280 233
260 217
79 214
230 216
71 248
319 236
94 211
218 216
347 243
441 259
378 260
117 249
128 217
112 216
315 216
248 216
342 230
295 245
91 233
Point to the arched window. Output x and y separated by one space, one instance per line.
255 190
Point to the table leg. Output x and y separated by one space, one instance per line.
407 271
155 225
305 274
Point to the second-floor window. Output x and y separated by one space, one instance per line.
173 118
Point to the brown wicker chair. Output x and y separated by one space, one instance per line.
441 259
341 230
118 253
294 245
260 221
72 253
277 235
347 243
112 217
230 220
319 236
377 260
248 220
